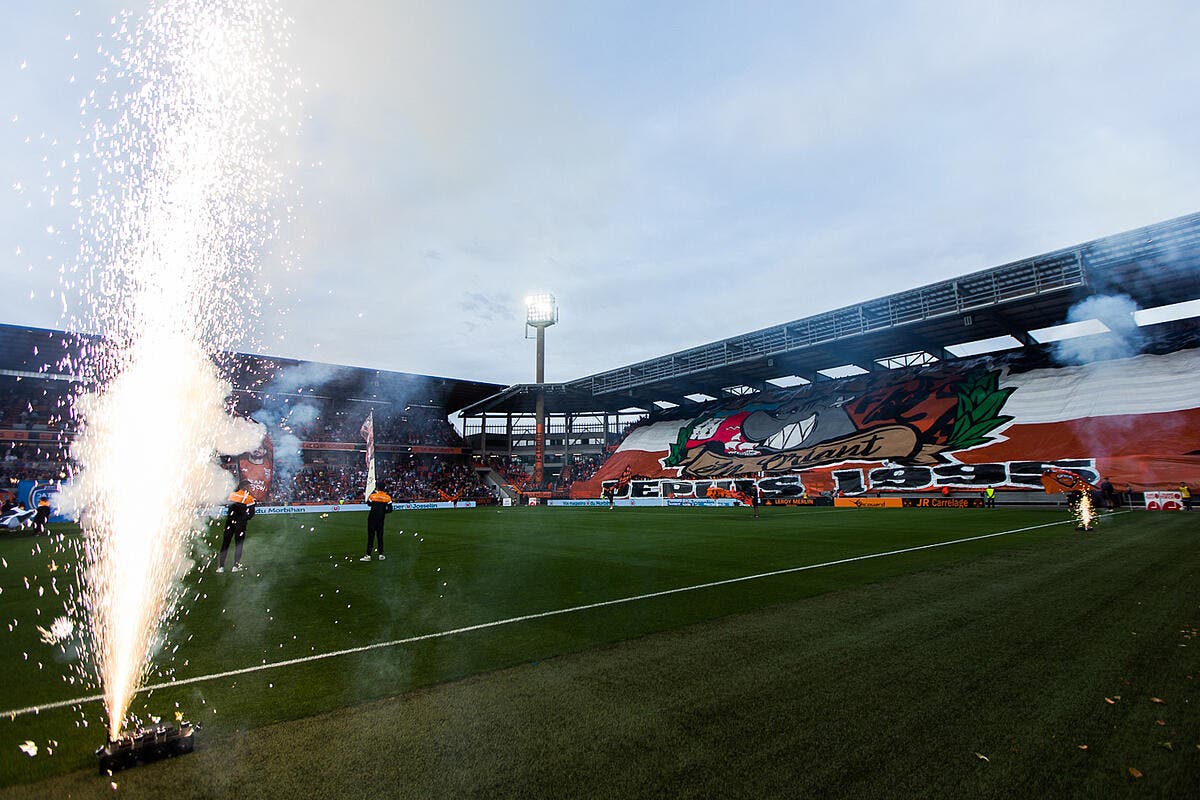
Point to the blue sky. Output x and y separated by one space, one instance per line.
674 172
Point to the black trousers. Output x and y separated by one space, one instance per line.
234 532
374 530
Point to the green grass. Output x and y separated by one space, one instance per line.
880 677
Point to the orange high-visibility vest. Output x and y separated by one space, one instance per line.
244 497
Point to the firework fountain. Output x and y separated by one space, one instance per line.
182 201
1085 512
1079 491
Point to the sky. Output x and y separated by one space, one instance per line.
675 173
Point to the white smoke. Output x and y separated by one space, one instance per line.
1124 338
307 376
288 454
133 411
282 416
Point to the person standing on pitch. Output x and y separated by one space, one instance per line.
1109 494
381 504
241 509
43 514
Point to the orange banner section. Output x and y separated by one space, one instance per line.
716 491
868 502
29 436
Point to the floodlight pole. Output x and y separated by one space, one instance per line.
539 435
541 312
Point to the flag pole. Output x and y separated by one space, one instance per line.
368 434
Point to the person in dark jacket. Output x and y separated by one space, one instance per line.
1108 494
42 517
381 504
241 509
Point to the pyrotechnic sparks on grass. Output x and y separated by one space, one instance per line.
177 192
59 631
1085 512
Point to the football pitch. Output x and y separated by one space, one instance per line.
651 652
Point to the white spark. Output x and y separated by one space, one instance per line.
60 630
183 202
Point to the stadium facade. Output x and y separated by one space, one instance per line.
960 384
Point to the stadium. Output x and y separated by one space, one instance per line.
282 515
875 631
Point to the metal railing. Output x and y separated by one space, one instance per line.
1172 241
1031 277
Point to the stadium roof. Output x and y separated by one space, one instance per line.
1155 266
36 352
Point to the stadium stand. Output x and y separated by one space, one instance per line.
926 365
953 386
320 407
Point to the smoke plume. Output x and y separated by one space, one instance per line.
283 414
1123 340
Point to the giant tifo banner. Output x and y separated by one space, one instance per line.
971 424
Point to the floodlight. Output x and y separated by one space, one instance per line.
540 310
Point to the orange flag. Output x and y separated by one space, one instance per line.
1058 481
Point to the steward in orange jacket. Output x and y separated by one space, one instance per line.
381 504
241 509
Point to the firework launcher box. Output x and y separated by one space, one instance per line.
146 745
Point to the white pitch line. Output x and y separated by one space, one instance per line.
18 712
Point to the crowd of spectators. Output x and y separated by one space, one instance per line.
412 426
36 410
37 407
325 484
428 427
411 480
32 462
437 479
584 468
